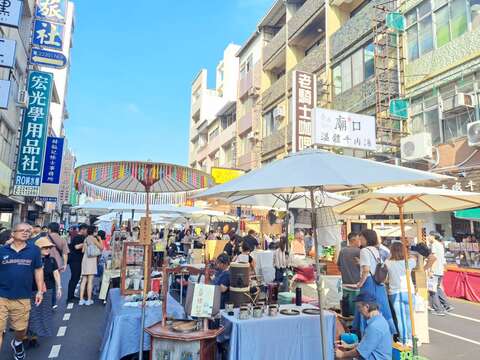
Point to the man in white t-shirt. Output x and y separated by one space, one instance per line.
438 299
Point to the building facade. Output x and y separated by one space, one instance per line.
15 208
212 140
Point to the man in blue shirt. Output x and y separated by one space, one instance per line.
376 343
20 263
222 278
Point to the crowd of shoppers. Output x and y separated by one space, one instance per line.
32 259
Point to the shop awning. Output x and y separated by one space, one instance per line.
468 214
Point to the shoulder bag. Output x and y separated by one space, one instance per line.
92 250
381 270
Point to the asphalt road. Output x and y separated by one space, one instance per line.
77 336
455 336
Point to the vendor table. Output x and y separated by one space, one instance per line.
121 331
462 283
213 248
264 264
282 337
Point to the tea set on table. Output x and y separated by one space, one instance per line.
258 310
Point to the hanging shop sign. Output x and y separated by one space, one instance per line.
10 12
47 34
48 58
304 95
223 175
51 10
33 134
4 93
52 168
343 129
7 53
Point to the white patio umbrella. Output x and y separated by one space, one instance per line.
316 170
408 199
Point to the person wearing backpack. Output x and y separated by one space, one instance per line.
92 249
373 274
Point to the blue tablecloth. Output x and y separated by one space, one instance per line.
281 338
121 332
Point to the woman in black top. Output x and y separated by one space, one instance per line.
41 317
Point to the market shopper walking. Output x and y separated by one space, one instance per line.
280 260
59 252
75 260
349 265
20 264
438 299
369 258
398 290
41 317
92 247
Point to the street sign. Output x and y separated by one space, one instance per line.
7 53
10 12
51 10
4 93
48 58
47 34
33 134
52 169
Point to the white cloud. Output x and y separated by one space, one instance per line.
133 108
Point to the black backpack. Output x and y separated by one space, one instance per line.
381 270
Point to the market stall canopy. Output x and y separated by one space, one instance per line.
415 199
108 206
298 200
468 214
317 168
129 182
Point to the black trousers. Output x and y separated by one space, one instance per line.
75 270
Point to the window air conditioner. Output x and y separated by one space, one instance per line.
251 136
254 92
416 146
279 112
22 98
473 133
458 102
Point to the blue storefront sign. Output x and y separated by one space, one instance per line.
33 134
52 169
48 58
52 10
47 34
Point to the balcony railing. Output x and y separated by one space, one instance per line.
245 122
250 81
276 44
308 10
276 140
246 161
228 134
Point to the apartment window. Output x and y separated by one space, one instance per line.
354 70
359 8
6 144
228 120
449 19
369 53
269 124
475 13
455 126
419 31
213 134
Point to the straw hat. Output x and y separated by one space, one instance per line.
43 242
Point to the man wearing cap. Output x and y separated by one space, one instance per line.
222 277
20 263
376 343
438 299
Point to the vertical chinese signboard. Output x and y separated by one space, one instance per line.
33 134
304 96
51 10
52 169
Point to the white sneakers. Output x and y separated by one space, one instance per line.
85 302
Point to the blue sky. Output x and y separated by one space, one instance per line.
132 68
